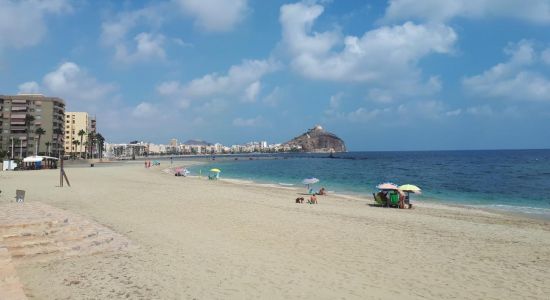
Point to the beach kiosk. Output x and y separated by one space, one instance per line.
39 162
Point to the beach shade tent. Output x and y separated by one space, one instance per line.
309 181
387 186
216 173
39 162
410 188
181 172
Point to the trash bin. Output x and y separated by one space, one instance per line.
92 165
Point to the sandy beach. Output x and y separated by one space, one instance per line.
158 236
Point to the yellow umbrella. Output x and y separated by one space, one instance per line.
410 188
215 170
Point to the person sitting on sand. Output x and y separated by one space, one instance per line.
300 200
322 191
384 196
313 199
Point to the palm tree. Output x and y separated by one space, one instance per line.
75 143
29 120
48 144
39 131
58 132
81 134
100 141
91 141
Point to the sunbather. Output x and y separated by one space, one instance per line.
322 191
312 199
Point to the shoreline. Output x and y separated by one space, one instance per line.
512 211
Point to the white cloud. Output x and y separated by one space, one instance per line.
453 113
334 103
399 114
22 22
515 79
242 81
536 11
484 110
215 15
252 91
386 57
148 47
364 115
253 122
145 110
72 84
144 46
274 97
31 87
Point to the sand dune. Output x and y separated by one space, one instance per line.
203 239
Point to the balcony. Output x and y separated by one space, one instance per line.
18 116
19 108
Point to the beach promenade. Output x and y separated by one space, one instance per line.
165 237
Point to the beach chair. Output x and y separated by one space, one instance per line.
394 199
19 196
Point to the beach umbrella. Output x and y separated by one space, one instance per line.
387 186
215 170
410 188
309 181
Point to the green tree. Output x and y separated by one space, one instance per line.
75 143
58 132
3 153
91 143
48 144
81 134
39 131
101 143
29 121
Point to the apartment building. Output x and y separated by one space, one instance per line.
22 115
74 123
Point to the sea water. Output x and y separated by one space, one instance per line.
501 179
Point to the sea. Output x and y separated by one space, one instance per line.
510 180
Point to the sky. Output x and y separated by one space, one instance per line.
382 75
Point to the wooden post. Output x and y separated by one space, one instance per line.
60 171
62 174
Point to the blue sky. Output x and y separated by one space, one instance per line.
383 75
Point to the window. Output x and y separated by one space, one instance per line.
68 121
67 137
73 121
68 126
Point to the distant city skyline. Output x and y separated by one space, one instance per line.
382 75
